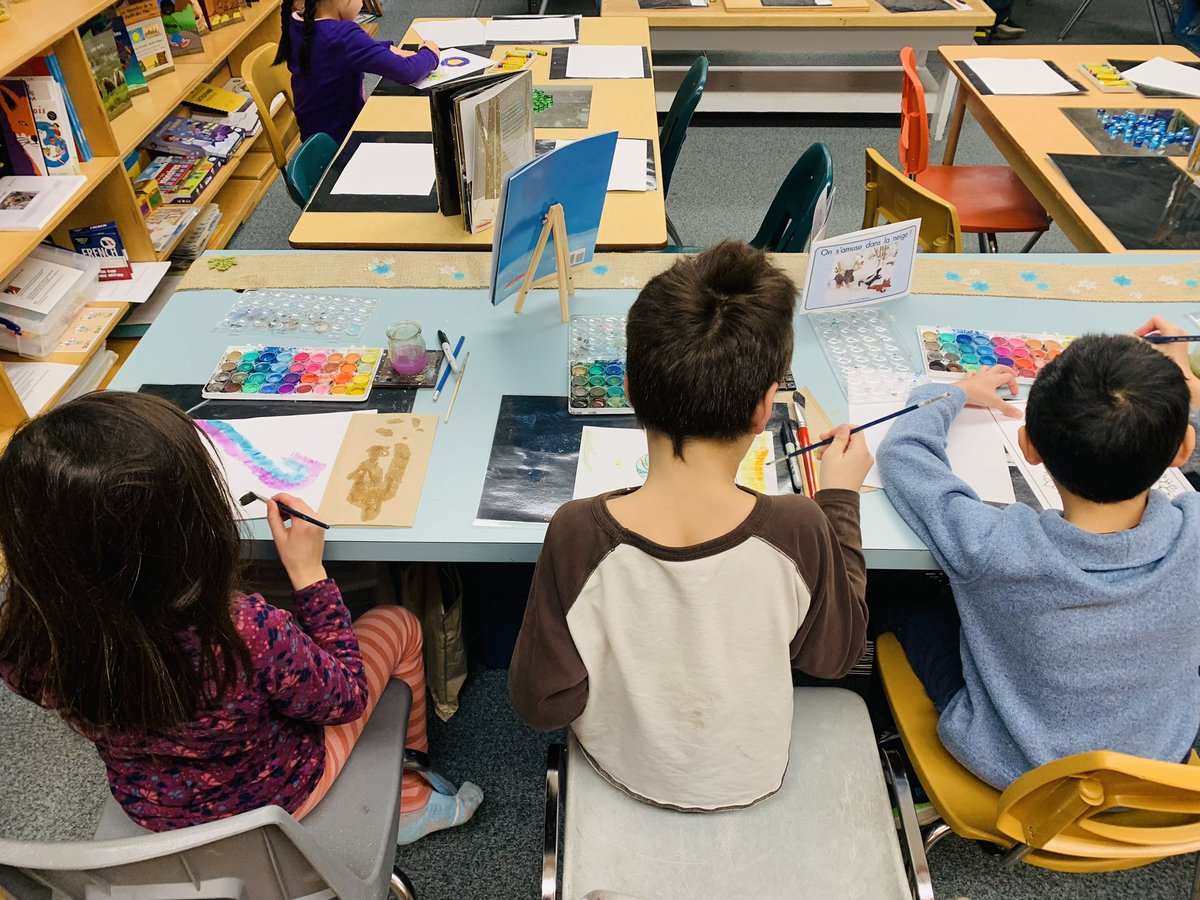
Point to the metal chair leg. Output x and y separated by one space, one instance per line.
1075 18
935 833
913 848
416 761
673 233
1150 7
401 887
556 795
1015 854
1037 236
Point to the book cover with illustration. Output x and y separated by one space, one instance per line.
20 129
183 31
105 62
135 78
149 36
188 137
49 106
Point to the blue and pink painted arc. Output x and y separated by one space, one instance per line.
293 471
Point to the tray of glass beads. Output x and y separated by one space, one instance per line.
950 353
596 366
261 372
297 313
865 353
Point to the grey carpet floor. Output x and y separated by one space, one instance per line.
52 783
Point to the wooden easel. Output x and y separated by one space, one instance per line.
556 223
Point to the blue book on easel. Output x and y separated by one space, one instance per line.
574 176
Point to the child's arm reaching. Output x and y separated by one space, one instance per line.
366 54
940 507
310 663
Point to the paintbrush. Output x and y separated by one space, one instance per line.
249 497
802 438
857 428
1170 338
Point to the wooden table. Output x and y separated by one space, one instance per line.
631 221
1027 129
860 26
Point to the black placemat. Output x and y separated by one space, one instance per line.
1123 64
388 88
1087 120
906 6
558 64
1147 202
574 40
187 397
535 452
979 84
667 4
324 200
389 379
789 3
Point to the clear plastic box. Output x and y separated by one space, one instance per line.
40 332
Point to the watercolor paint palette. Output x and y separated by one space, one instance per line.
260 372
596 366
289 312
865 353
953 352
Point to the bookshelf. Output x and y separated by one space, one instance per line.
41 26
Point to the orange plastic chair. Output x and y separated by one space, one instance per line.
990 199
264 81
893 198
1091 812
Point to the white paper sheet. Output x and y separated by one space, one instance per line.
974 446
628 172
388 170
1172 483
605 61
1020 76
270 454
455 63
148 311
1166 75
86 329
531 28
452 32
615 458
137 289
37 382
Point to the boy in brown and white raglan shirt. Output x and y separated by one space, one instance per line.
663 621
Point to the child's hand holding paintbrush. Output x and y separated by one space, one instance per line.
846 461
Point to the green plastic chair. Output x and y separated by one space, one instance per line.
675 126
308 165
789 221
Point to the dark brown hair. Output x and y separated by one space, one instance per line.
706 340
1108 416
119 537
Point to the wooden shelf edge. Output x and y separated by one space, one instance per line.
67 16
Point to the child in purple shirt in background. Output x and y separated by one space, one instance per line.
327 53
202 701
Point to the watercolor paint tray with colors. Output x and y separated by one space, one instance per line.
596 366
950 353
264 372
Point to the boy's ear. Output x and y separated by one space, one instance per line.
762 412
1027 449
1186 448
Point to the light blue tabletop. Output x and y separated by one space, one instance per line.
526 354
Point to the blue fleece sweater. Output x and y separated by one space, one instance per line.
1071 641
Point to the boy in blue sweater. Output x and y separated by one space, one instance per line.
1080 629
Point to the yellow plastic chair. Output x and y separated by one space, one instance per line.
1092 812
265 81
894 198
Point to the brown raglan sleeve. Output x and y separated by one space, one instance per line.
828 551
547 680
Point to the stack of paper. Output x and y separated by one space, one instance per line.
1166 76
37 382
1020 76
606 61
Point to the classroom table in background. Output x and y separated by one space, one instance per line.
633 220
1027 129
859 27
526 355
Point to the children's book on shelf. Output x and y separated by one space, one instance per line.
105 62
166 222
222 12
20 130
47 67
6 167
135 77
189 137
183 31
180 180
54 125
216 99
29 202
103 242
199 233
149 36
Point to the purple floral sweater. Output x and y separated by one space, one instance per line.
264 745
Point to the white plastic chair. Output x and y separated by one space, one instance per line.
828 832
345 848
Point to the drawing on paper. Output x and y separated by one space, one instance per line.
379 477
290 472
757 465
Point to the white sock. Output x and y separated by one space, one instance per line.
441 812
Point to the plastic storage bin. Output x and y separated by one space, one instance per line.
41 330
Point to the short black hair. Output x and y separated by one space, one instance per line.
1108 416
706 340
